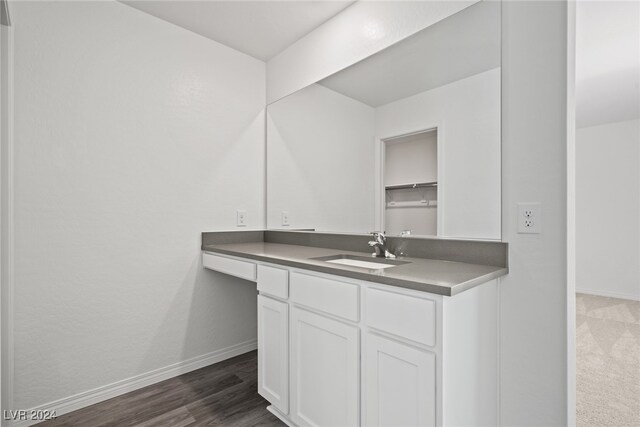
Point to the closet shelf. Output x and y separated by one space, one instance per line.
413 204
410 186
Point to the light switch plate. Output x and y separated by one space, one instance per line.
241 218
285 218
529 218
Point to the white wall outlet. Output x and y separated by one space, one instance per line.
285 218
241 218
529 218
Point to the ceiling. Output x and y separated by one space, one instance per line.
607 62
261 29
460 46
607 48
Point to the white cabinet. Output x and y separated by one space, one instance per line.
325 371
334 351
273 281
402 315
330 296
400 384
273 352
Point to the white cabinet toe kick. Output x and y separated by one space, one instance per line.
334 351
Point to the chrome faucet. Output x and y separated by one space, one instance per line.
379 243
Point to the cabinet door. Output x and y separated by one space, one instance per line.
273 352
400 384
325 370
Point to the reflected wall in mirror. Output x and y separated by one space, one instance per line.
407 140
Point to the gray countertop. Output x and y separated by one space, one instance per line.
434 276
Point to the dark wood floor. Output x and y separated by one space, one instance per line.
224 394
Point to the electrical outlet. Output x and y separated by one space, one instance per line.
241 218
285 218
529 218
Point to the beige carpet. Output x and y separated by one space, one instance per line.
607 361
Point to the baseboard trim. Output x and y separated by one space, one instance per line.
609 294
100 394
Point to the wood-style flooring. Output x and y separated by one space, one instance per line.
224 394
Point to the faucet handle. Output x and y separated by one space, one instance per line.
378 236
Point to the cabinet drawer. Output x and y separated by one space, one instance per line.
273 281
328 295
402 315
234 267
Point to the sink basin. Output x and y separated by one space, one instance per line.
370 263
358 263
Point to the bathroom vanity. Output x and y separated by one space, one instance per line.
407 141
411 341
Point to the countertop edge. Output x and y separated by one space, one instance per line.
383 280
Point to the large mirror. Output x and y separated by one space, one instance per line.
406 141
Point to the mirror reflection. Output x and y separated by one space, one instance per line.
406 141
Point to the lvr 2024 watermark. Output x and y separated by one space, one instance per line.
29 415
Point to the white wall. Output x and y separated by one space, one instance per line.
4 135
132 136
533 342
467 115
607 148
320 159
533 296
608 209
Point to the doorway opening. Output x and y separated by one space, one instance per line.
605 251
410 179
